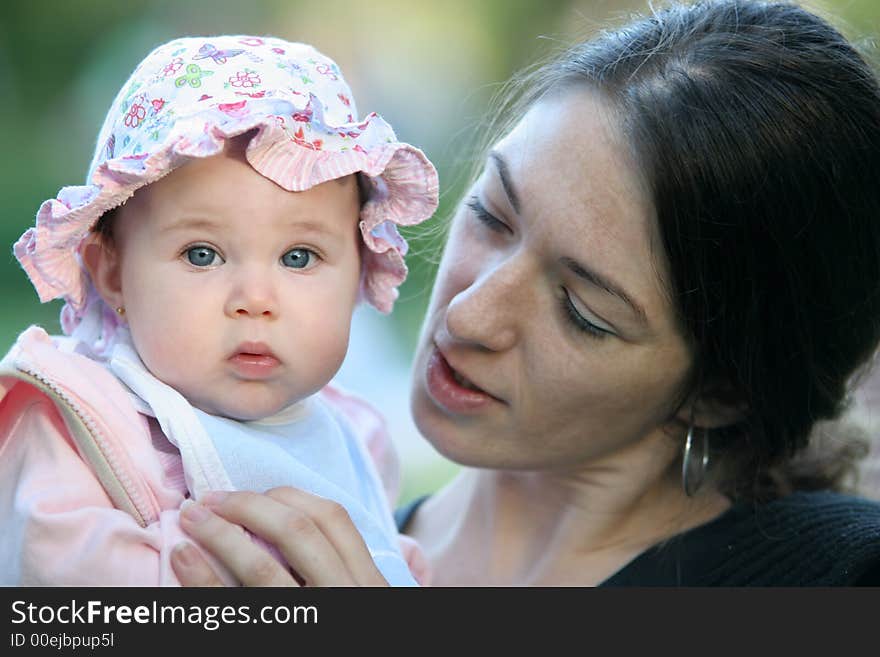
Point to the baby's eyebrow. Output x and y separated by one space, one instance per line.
312 226
191 223
203 223
317 228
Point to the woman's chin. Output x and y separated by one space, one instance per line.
451 440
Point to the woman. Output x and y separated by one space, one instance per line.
655 294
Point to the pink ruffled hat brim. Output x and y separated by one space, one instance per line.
404 192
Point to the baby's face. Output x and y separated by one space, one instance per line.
239 294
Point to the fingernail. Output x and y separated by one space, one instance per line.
184 554
213 498
193 511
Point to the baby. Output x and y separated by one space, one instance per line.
237 210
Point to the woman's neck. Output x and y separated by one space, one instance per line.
509 528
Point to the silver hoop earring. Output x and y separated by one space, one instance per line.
693 471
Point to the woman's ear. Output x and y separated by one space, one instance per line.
715 407
101 259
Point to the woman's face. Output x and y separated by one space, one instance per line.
549 341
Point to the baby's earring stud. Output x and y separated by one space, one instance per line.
120 310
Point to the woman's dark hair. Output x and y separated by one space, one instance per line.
756 126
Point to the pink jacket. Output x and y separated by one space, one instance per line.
90 492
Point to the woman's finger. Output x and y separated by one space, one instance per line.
333 520
249 563
323 552
191 568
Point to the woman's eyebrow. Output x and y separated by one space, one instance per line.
504 174
606 285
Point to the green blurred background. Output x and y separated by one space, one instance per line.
430 68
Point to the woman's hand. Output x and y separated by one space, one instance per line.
314 535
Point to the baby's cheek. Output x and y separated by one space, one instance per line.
169 353
162 362
327 348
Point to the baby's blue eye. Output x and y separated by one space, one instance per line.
202 256
298 259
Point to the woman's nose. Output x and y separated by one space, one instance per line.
253 295
489 311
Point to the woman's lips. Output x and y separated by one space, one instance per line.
447 392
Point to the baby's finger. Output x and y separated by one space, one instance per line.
334 521
251 564
293 532
191 568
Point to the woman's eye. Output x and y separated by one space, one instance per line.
299 259
581 323
481 213
203 256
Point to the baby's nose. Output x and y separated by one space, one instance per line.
253 297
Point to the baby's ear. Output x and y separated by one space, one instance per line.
101 259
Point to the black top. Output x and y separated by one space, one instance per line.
803 539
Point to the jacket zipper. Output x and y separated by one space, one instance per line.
101 442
